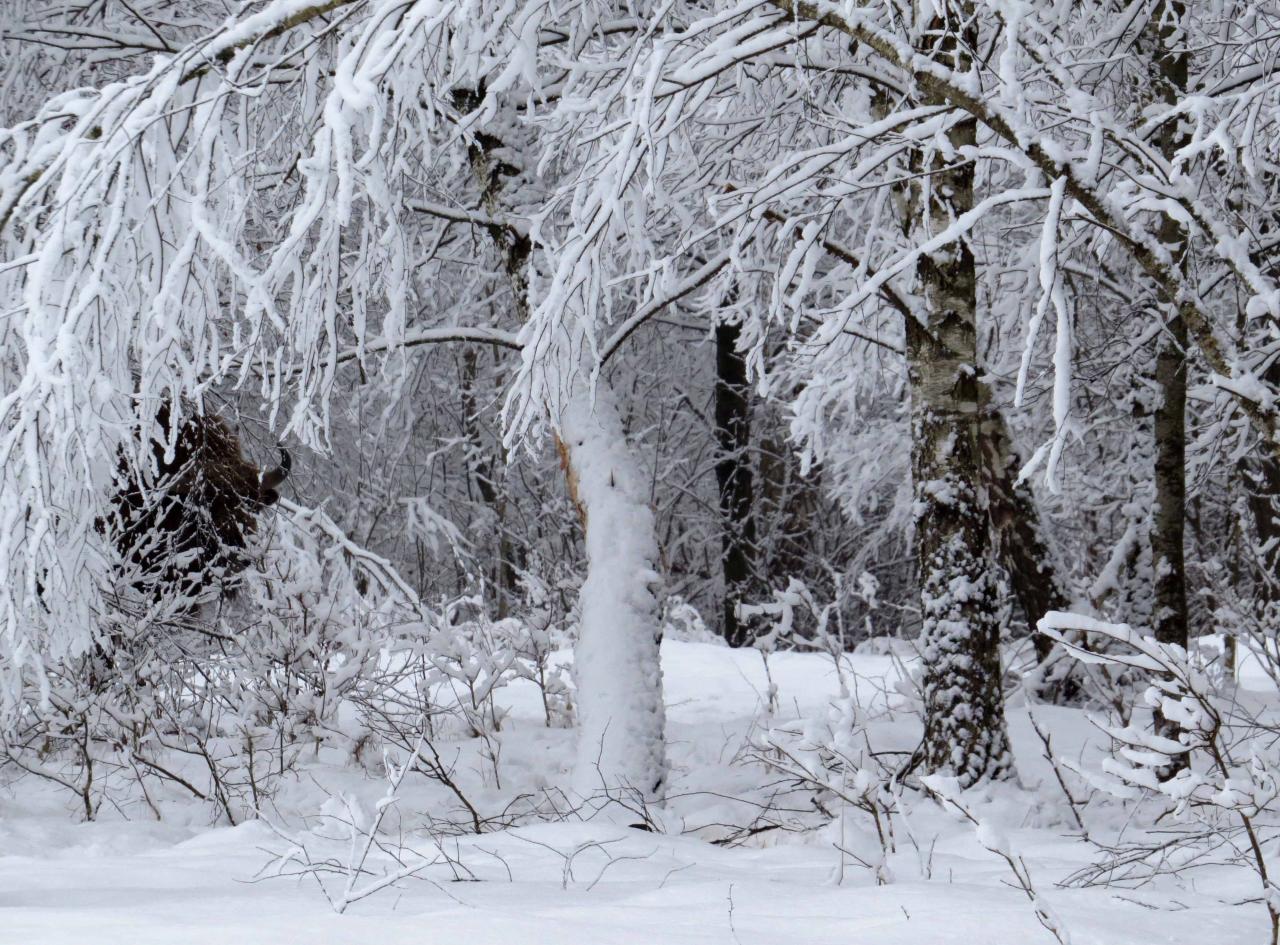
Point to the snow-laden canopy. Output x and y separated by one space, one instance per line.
263 203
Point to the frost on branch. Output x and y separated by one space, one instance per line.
1223 799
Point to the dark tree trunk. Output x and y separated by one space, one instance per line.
734 479
1262 479
1023 550
1168 521
1020 543
1262 485
1169 517
481 467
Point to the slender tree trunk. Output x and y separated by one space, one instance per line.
1168 519
504 575
965 731
1262 483
1020 543
616 661
1260 476
734 479
1169 516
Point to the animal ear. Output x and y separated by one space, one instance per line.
271 478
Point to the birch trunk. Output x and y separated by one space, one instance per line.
965 731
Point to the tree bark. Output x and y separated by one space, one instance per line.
1169 516
735 481
1168 522
965 732
1262 484
1021 546
503 573
1024 552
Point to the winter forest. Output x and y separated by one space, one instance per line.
660 471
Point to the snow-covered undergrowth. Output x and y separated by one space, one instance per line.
748 848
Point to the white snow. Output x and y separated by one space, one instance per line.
139 882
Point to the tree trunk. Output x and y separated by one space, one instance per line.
1023 551
616 660
965 731
734 479
1262 484
503 574
1168 518
1020 543
1169 515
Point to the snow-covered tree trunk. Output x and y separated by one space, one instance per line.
616 661
964 708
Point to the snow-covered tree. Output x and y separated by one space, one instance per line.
260 200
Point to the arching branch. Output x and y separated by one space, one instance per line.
1143 248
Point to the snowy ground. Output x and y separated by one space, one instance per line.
138 881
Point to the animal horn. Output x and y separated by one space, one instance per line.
272 478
